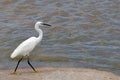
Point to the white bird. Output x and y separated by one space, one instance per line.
28 45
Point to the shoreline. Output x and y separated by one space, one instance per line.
58 74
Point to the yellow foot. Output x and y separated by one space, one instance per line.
37 71
15 73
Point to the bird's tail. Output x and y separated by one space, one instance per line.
13 55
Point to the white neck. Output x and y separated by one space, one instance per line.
39 31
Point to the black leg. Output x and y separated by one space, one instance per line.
18 64
31 65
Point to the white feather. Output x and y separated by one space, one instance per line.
25 47
28 45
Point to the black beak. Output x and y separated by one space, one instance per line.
46 24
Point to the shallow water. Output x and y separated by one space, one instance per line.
84 33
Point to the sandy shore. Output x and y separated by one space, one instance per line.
58 74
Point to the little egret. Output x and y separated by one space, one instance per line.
28 45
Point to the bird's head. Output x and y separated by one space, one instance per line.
42 23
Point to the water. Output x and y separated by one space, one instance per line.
84 33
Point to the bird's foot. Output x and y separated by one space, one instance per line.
15 73
36 71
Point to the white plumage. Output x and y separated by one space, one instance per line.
28 45
25 47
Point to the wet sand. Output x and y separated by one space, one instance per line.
58 74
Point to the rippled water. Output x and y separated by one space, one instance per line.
84 33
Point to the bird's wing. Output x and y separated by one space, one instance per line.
25 47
